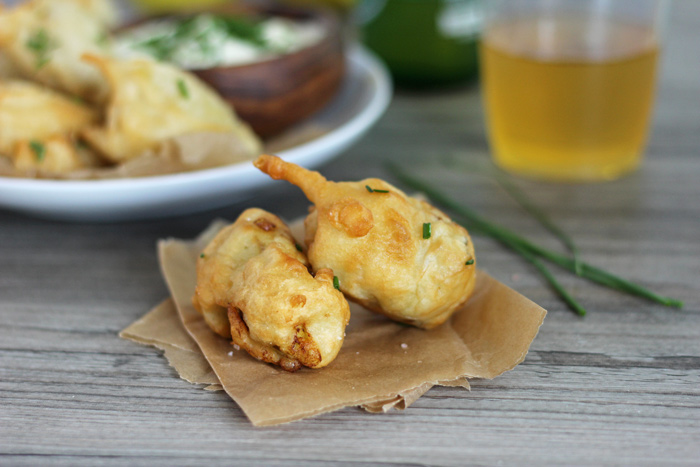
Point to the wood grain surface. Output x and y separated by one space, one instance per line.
618 387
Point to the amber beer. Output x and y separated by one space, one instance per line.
561 110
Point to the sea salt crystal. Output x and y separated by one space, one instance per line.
404 346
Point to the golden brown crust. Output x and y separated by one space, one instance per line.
29 111
254 286
59 154
146 106
371 234
226 253
351 217
59 33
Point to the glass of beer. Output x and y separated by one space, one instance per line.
569 85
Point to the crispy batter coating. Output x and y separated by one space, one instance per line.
151 101
44 39
254 286
58 154
29 111
374 242
8 70
37 128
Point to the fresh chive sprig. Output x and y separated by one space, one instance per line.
38 149
547 274
544 220
374 190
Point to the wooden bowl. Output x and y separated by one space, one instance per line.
274 94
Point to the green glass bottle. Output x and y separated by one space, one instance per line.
425 43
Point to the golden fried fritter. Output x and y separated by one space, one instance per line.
37 129
254 286
227 253
393 254
8 70
150 102
29 111
58 154
44 39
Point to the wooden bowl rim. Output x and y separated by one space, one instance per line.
326 18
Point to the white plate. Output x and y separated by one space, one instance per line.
360 102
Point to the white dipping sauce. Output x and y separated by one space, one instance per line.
207 41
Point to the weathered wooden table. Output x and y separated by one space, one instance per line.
620 386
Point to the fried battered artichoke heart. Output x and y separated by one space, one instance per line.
44 40
373 237
38 126
254 286
150 102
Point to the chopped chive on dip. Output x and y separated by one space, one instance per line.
202 255
210 40
374 190
182 88
38 149
336 283
470 262
427 230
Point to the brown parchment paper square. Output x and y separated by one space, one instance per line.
382 364
162 328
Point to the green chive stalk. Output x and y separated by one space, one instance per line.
522 199
547 274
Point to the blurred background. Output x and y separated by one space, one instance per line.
425 43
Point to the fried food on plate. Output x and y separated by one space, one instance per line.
104 11
57 154
394 254
8 70
150 102
45 39
33 113
254 286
